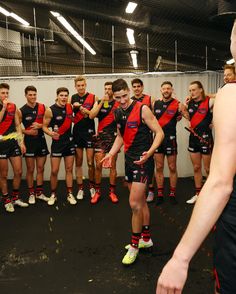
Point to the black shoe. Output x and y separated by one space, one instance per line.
160 200
173 200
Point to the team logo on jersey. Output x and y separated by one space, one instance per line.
11 113
170 111
190 110
132 124
103 110
59 117
29 118
202 110
87 105
157 111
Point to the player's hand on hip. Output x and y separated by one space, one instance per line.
106 161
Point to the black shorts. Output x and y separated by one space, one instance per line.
62 148
168 146
84 139
196 146
138 173
104 141
9 148
36 148
225 256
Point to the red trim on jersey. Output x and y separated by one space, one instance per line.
167 116
147 100
109 118
199 115
68 120
217 278
88 104
39 116
9 118
132 125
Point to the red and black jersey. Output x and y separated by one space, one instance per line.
135 133
106 118
7 125
167 114
62 117
200 115
145 99
81 123
31 115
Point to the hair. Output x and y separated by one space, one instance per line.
4 86
108 83
137 81
62 89
166 83
30 88
119 85
231 67
199 84
79 79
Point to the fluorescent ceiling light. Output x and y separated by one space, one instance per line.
4 11
130 7
20 19
130 36
134 54
231 61
65 23
13 15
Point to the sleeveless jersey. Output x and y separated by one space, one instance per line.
62 117
145 99
7 125
166 114
200 115
81 123
30 115
106 118
136 135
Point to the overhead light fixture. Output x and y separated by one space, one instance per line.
231 61
66 24
134 54
15 16
4 11
130 36
131 7
20 19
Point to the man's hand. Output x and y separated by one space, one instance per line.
106 161
54 135
173 277
31 132
143 158
23 148
36 126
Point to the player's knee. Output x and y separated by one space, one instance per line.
196 168
54 172
172 168
69 169
40 169
90 164
135 205
18 172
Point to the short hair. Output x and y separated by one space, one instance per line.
137 81
231 67
79 79
4 86
166 83
62 89
30 88
108 83
119 85
199 84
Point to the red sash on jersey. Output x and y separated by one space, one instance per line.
9 119
88 101
39 116
68 120
109 118
169 113
147 100
200 114
132 124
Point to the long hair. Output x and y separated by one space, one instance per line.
200 86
